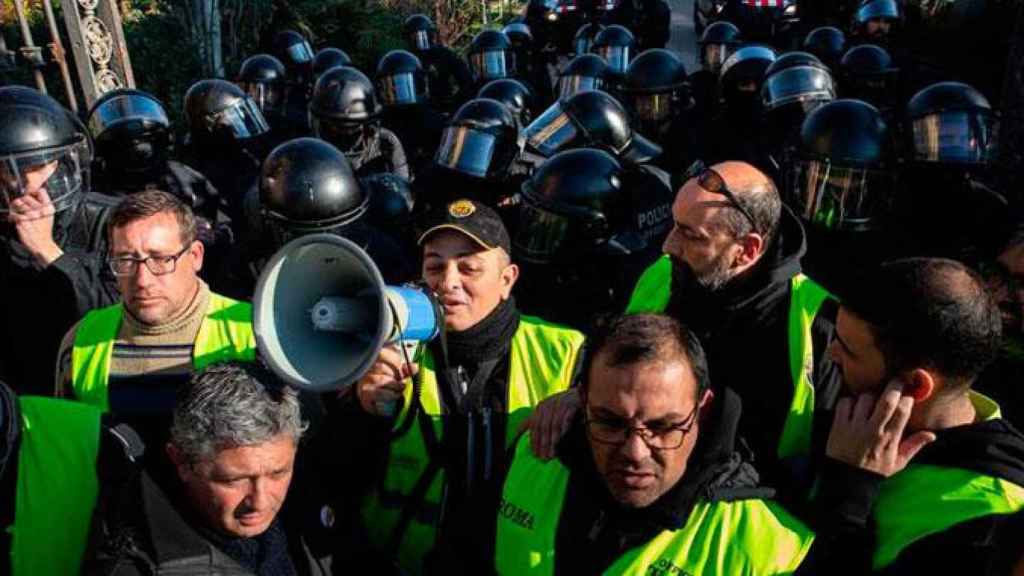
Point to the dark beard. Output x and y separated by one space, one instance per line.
712 279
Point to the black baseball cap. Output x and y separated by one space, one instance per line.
481 223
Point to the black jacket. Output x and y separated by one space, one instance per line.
189 186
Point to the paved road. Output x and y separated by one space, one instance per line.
683 38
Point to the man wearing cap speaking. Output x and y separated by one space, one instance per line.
476 385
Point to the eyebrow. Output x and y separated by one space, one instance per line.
608 414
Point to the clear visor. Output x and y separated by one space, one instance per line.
398 89
127 108
571 85
421 40
583 44
550 132
243 119
301 53
838 197
714 56
804 83
884 9
960 137
540 234
652 107
616 56
466 150
491 65
58 172
268 97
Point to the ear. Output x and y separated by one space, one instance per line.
706 402
197 250
508 279
179 460
751 247
918 384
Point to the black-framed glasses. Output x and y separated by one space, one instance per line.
712 181
617 432
157 264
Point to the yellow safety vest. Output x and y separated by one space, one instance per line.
225 334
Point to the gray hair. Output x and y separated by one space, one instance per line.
233 404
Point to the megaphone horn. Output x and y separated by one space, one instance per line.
321 313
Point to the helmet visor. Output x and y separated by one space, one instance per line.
57 171
267 96
399 89
551 131
145 113
466 150
342 134
421 40
616 56
800 84
242 119
300 53
583 44
491 65
571 85
884 9
838 197
652 108
956 136
540 234
714 56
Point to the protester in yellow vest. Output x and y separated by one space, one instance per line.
648 480
451 410
914 455
130 357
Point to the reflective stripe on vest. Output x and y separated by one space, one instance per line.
542 359
225 334
728 538
653 292
924 499
56 485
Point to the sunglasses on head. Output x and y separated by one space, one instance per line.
712 181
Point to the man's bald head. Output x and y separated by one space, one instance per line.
758 195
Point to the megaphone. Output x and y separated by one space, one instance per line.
321 313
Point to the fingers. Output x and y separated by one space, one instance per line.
882 419
863 407
31 206
913 444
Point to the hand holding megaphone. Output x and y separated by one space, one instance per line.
383 386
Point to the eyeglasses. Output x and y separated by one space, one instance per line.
712 181
662 437
158 265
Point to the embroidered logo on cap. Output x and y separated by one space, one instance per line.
461 208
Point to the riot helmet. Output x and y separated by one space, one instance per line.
655 90
419 32
616 45
491 56
131 130
868 74
952 123
391 201
718 42
342 106
583 41
219 110
883 12
41 147
400 79
589 119
796 78
513 94
307 186
328 58
262 77
480 140
582 73
742 75
573 203
520 35
827 43
839 178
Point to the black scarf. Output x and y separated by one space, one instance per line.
265 554
487 339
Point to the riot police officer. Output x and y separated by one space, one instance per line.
133 152
794 85
264 79
448 77
403 92
584 72
344 111
491 56
617 45
828 43
583 41
868 73
874 21
328 58
531 63
53 246
515 95
734 133
294 51
718 42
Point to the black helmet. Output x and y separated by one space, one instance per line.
746 64
491 56
573 202
513 94
306 186
840 178
37 133
391 200
827 43
582 73
868 74
796 78
480 140
952 123
655 89
328 58
589 119
876 10
400 79
263 78
343 102
293 50
520 35
130 128
584 39
420 31
616 45
221 109
719 40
